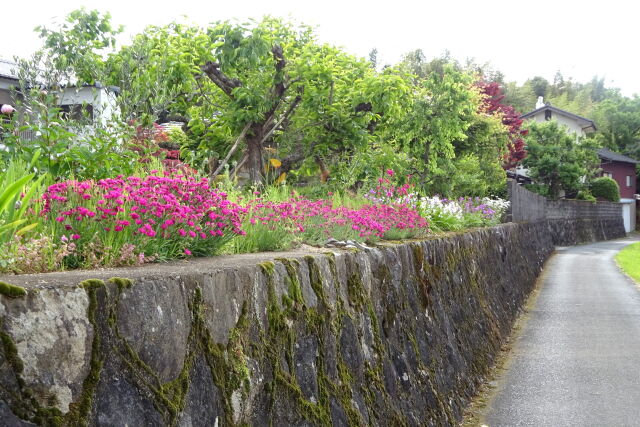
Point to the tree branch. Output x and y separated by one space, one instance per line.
231 151
292 107
238 166
212 70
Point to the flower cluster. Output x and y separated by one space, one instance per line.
127 221
463 212
181 210
386 192
368 221
437 205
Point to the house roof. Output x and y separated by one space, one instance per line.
584 122
607 154
7 69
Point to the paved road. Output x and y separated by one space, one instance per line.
577 359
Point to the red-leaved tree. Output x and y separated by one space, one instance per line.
510 118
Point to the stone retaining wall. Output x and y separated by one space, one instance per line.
400 335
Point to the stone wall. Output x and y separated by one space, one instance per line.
398 335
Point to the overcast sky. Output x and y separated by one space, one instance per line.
522 39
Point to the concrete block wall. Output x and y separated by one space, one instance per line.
528 206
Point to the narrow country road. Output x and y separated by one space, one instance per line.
576 361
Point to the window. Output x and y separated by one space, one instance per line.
547 114
607 174
78 112
628 180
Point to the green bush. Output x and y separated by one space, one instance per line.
605 188
585 195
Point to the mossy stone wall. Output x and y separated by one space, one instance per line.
400 335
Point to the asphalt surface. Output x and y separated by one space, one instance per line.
577 359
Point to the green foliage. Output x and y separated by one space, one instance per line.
177 136
606 188
618 119
17 189
68 144
468 175
79 42
439 115
585 195
629 260
558 161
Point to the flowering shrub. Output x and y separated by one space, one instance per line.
387 192
134 220
36 254
161 216
445 214
313 221
129 221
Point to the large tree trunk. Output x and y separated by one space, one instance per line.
254 164
324 172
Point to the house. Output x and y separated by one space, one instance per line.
579 125
619 167
573 123
623 170
96 102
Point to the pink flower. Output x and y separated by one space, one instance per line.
390 172
75 236
187 252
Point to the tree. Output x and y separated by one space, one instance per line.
540 85
440 111
557 161
80 43
618 121
493 104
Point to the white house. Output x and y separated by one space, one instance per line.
96 102
579 125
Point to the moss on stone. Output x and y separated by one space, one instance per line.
344 393
267 267
228 364
121 282
91 284
80 410
12 291
23 403
315 278
294 290
11 353
237 361
356 291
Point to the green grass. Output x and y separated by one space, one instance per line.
629 260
